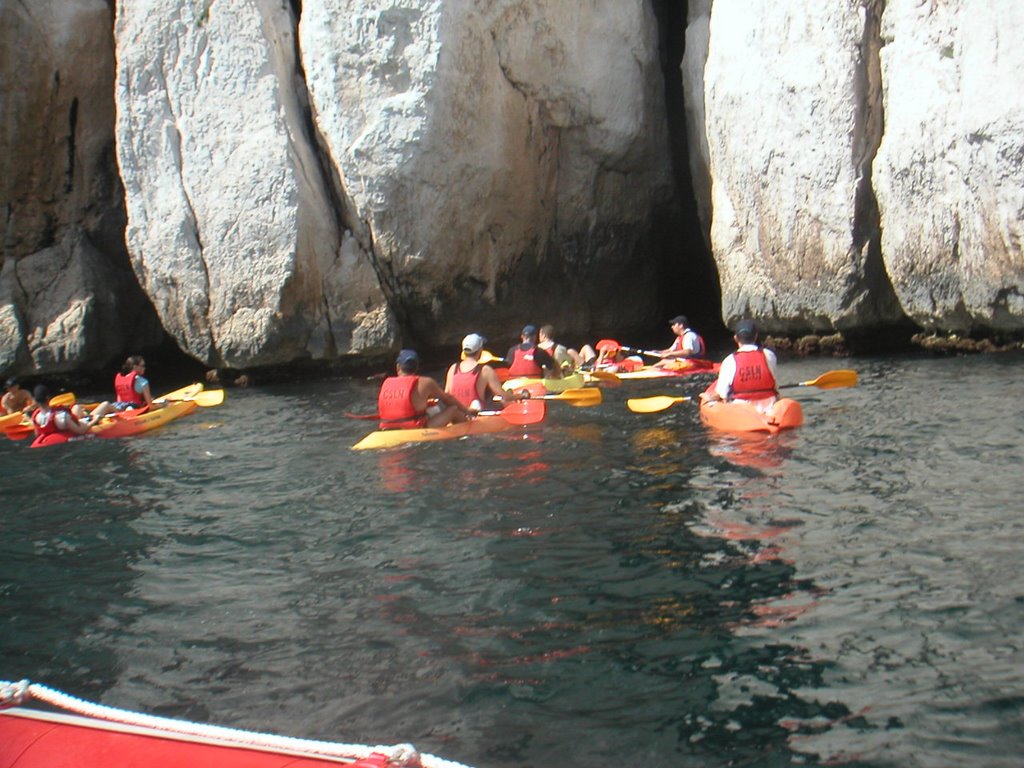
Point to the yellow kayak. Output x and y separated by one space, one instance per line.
391 438
575 381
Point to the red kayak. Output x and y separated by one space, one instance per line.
112 738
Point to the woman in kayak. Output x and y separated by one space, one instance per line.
749 373
131 388
403 399
473 384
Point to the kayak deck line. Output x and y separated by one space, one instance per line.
178 739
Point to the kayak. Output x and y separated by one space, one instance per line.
575 381
740 416
680 368
11 419
390 438
116 738
128 423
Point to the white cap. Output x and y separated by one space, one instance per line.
473 343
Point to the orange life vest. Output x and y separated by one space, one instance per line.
464 384
124 388
523 363
394 404
753 379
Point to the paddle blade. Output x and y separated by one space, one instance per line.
603 378
489 357
654 404
832 380
11 420
208 398
523 412
584 397
63 400
19 432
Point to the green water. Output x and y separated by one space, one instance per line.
607 588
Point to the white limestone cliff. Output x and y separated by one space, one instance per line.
230 223
950 169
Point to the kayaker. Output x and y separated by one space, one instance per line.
568 360
608 356
15 398
52 421
688 343
749 373
404 398
525 359
131 387
472 383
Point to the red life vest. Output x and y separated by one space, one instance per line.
48 426
464 385
394 404
677 345
124 389
523 363
753 379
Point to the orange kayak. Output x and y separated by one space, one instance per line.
741 416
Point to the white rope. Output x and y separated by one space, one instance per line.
405 755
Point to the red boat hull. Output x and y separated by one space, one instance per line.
31 739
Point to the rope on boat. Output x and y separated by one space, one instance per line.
400 755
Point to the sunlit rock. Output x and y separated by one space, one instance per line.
503 157
231 225
950 169
60 197
792 122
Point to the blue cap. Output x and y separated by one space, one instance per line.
746 330
530 330
406 356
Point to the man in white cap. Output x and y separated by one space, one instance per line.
472 383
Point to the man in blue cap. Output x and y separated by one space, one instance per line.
404 399
529 360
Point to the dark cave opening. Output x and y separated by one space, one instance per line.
689 275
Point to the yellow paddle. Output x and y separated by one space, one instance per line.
207 398
654 404
584 397
603 377
828 380
204 399
488 357
11 419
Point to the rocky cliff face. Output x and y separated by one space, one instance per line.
313 180
68 298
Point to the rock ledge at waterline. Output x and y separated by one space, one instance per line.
380 171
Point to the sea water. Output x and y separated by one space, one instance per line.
608 588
